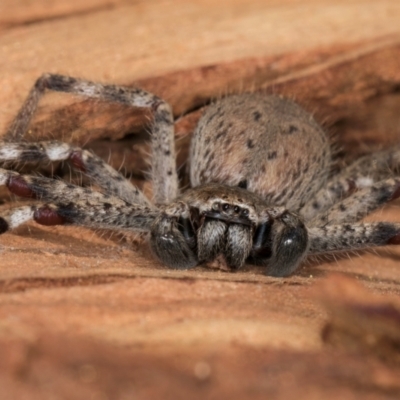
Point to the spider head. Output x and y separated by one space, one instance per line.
215 220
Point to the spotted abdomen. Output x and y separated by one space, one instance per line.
265 144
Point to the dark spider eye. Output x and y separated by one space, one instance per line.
225 207
236 209
243 184
245 212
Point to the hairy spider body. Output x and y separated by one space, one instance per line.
260 175
259 143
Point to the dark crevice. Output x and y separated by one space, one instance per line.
24 284
50 18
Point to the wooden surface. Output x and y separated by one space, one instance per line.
90 315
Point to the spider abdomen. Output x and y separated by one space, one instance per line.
265 144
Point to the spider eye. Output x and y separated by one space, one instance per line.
225 207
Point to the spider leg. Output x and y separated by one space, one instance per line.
360 203
93 166
71 204
43 214
164 172
353 236
364 172
15 217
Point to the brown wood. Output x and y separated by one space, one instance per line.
86 314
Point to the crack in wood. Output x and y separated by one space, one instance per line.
24 284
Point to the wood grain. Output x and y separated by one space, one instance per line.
86 314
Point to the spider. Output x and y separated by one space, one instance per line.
261 189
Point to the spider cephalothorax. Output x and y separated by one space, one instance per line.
261 191
215 219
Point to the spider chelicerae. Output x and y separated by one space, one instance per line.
261 189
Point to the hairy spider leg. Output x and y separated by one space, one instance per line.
164 174
106 177
360 204
356 236
362 173
71 204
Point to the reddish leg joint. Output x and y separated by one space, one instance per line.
394 240
17 185
47 216
396 193
77 160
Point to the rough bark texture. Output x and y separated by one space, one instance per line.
89 315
